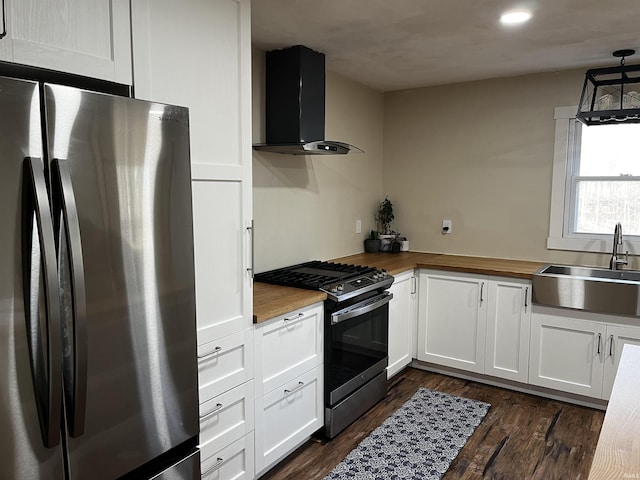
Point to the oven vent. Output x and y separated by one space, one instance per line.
295 104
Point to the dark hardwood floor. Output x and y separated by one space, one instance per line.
522 436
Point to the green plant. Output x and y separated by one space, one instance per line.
373 235
384 216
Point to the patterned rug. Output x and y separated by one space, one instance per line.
419 441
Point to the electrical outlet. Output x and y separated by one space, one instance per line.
358 226
446 227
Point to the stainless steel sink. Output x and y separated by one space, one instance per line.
599 290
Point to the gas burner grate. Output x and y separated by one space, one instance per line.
312 275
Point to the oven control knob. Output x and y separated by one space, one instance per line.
375 276
340 287
333 288
383 273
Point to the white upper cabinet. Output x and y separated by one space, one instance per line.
83 37
208 44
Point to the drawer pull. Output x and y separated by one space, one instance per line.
219 461
298 387
290 319
211 412
218 349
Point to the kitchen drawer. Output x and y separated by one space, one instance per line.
225 364
227 417
234 462
287 416
288 346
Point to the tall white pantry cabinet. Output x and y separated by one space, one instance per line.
197 53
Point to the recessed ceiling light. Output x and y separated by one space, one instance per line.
515 16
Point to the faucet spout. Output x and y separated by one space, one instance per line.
615 262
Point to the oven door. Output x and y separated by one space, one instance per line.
356 345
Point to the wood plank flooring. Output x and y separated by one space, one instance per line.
522 436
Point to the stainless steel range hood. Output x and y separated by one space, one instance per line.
295 104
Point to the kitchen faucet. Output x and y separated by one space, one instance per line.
617 240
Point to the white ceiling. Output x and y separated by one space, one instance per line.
398 44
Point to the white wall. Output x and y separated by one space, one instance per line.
480 154
306 207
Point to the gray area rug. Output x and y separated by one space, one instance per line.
419 441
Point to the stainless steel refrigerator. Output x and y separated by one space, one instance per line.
98 372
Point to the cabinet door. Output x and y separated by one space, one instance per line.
287 416
566 354
224 364
508 327
84 37
401 322
617 337
227 417
197 54
222 243
288 346
452 320
235 461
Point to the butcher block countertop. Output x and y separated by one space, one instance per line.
618 451
270 301
396 263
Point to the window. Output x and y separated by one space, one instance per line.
596 183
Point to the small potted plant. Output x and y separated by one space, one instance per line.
372 244
384 216
384 219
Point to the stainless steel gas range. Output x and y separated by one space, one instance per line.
356 333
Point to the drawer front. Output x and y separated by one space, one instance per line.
287 416
234 462
227 417
288 346
225 364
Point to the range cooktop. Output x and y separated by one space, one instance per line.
340 281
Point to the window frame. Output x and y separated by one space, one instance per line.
563 184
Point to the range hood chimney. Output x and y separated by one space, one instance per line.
295 108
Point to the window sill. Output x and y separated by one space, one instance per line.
594 245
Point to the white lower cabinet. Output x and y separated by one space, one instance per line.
451 324
475 323
289 376
227 417
234 462
225 363
508 329
403 314
287 416
578 352
227 413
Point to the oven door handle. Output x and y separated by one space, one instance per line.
361 308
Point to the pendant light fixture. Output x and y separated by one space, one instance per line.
612 94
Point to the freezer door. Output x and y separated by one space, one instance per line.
125 174
27 272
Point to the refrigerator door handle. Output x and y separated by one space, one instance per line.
3 33
43 319
74 322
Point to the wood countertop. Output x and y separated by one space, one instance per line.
396 263
618 451
270 301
